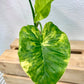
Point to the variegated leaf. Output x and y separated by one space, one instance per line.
43 57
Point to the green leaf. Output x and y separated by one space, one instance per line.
43 57
42 9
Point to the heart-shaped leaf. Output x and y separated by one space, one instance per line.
42 9
43 57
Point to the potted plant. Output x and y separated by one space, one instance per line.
44 54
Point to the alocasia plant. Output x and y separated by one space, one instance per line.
44 54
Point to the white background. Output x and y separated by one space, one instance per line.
68 15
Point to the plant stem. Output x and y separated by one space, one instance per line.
33 13
40 26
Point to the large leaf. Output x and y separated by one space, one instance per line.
43 57
42 9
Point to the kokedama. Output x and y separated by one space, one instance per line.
44 54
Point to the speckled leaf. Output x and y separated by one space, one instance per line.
43 57
42 9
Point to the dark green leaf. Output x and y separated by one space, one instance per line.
42 9
43 57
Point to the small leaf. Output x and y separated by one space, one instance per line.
42 9
43 57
